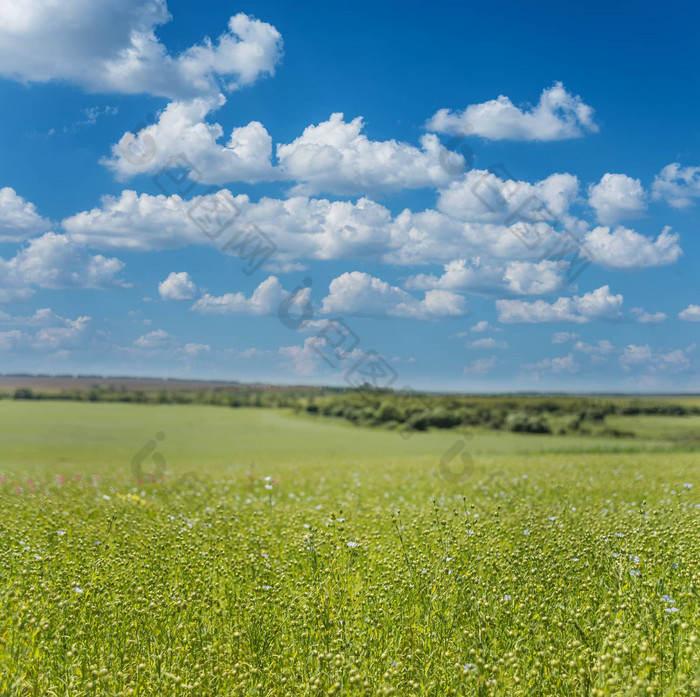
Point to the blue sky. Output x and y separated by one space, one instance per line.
486 198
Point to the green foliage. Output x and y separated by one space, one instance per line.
520 422
345 562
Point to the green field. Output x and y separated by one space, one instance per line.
263 552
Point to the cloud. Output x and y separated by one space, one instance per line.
486 343
563 364
648 318
265 299
484 326
54 261
19 219
181 141
196 349
557 116
493 196
527 278
656 361
359 293
105 46
44 317
617 197
157 339
68 336
52 332
177 286
335 156
304 359
597 352
598 304
518 277
475 254
481 366
11 340
627 249
677 185
690 314
564 337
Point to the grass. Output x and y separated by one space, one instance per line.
344 561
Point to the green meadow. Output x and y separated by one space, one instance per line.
165 549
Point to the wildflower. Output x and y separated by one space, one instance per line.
671 609
668 599
353 544
78 590
634 572
634 558
60 532
619 534
506 597
526 532
552 517
469 667
267 588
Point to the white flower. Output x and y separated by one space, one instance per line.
353 544
78 590
671 609
60 532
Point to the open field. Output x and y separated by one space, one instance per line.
262 552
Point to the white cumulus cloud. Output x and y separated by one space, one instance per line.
177 286
677 185
18 218
264 300
690 314
644 317
623 248
361 294
182 141
598 304
617 197
107 46
557 116
54 261
560 364
335 156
